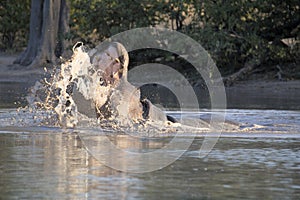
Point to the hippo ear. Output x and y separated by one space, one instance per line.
122 61
123 57
118 67
123 54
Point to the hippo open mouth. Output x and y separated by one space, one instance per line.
98 86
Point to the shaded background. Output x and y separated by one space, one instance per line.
233 32
252 41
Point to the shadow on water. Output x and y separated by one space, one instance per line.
49 165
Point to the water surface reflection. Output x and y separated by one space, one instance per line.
49 165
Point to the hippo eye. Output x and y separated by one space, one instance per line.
111 58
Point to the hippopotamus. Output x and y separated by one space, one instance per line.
99 87
94 83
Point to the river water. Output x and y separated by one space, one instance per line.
259 161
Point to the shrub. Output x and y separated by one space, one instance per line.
14 26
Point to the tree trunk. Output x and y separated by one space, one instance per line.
48 23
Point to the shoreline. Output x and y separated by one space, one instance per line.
265 94
247 94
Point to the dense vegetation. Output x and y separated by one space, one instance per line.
233 31
14 26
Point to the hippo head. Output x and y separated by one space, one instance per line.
112 59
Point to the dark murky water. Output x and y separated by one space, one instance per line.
51 163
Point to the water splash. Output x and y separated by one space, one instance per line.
91 90
54 95
79 93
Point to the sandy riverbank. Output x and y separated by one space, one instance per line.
254 94
10 72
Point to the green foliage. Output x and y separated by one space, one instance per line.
14 26
234 32
237 31
95 20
